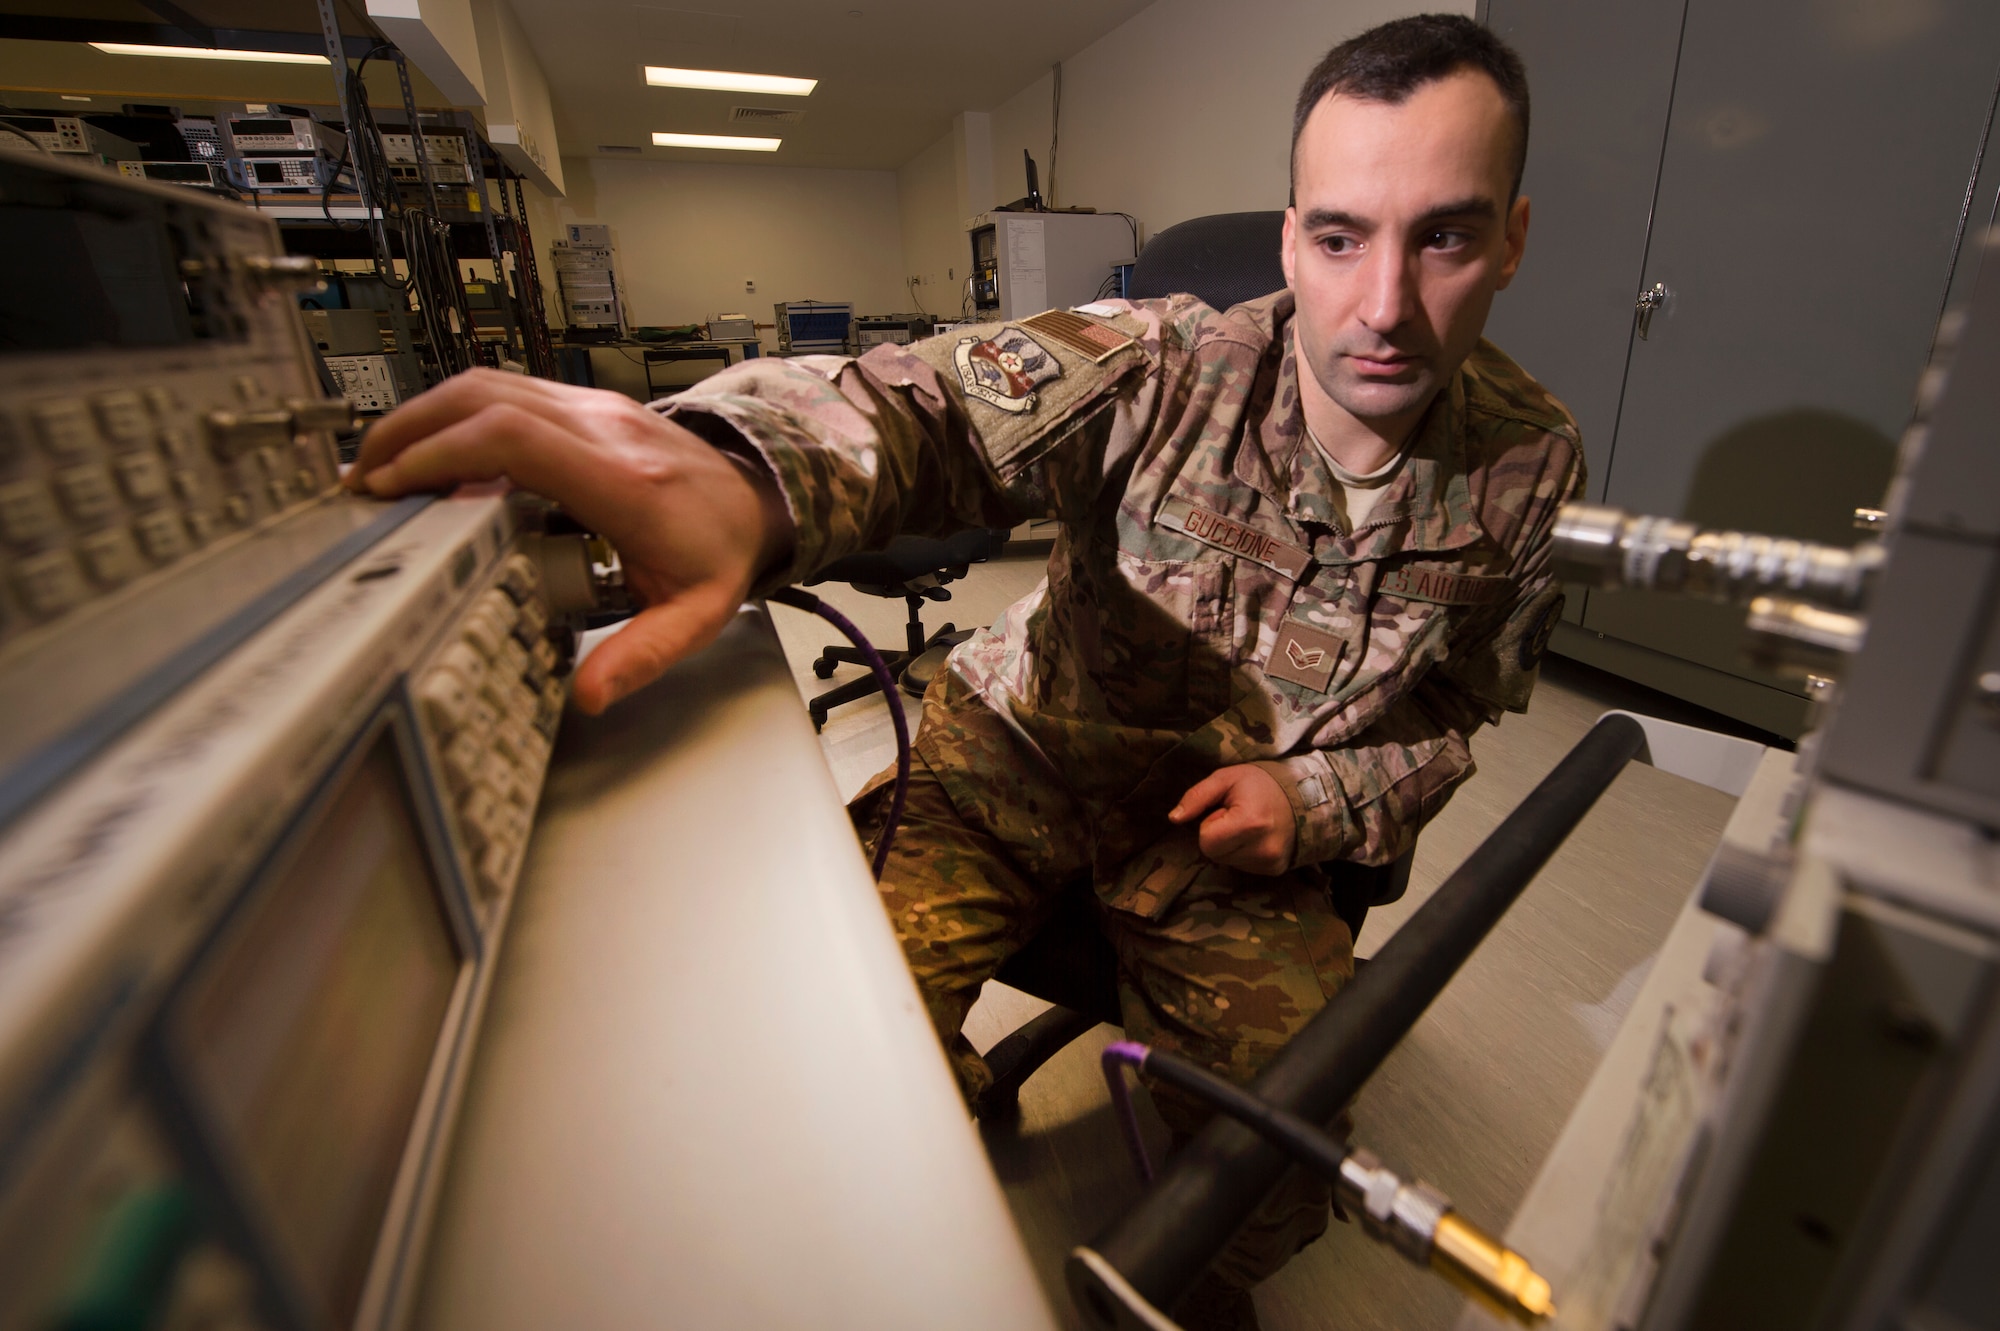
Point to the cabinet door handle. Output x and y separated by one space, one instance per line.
1649 301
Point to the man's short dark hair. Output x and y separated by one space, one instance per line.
1389 62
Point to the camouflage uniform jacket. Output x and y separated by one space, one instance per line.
1204 605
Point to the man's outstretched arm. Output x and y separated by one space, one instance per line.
763 474
694 527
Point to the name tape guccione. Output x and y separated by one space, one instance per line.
1228 534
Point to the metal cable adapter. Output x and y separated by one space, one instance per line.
1412 1217
1608 547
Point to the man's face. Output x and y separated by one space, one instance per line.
1399 234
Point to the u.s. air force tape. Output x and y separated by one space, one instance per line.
1414 582
1231 535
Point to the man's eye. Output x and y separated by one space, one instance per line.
1339 244
1446 240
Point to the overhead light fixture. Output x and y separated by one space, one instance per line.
722 80
211 53
730 141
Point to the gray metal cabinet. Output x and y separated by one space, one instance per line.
1796 175
1601 80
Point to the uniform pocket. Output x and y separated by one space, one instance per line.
1162 650
1399 639
1149 882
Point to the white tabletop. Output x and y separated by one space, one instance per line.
706 1094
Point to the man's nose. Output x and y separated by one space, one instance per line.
1389 288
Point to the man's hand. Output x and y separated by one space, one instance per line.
1249 821
693 529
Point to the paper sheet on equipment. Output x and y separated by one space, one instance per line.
1028 260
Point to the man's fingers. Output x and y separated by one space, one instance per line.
1233 841
1202 796
497 440
651 641
434 409
503 440
1225 830
426 413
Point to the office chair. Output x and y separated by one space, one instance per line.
1224 259
915 568
675 354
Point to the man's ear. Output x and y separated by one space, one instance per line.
1285 245
1516 242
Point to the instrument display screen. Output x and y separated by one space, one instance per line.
301 1041
84 265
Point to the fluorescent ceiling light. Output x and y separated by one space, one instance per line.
721 80
211 53
730 141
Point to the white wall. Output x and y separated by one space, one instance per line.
520 119
441 38
927 188
689 233
1183 110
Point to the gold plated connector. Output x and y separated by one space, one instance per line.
1460 1248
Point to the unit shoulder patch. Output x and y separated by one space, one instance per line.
1025 390
1536 640
1006 370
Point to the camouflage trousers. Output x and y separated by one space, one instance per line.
1225 974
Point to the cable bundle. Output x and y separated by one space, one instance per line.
427 241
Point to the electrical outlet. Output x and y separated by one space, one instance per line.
749 284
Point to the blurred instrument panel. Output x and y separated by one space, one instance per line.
270 762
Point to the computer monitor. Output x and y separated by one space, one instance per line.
87 265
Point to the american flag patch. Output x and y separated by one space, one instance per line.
1084 336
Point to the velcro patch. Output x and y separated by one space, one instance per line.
1414 582
1228 534
1005 370
1304 655
1536 640
1022 393
1084 336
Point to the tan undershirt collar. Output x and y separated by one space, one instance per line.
1359 490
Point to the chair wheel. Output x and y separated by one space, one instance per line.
818 714
823 668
